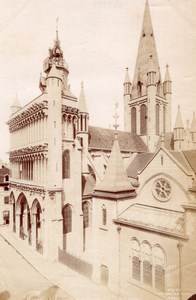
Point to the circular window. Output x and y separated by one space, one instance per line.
162 189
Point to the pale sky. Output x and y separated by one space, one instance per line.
99 39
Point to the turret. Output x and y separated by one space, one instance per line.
167 90
54 123
188 143
178 131
83 128
127 97
15 105
151 79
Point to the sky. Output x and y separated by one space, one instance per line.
99 39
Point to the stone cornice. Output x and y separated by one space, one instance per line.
41 148
33 189
34 112
69 111
161 231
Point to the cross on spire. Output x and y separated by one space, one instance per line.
116 116
57 19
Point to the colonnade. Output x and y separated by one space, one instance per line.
29 132
30 167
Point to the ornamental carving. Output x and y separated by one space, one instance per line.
162 189
28 188
29 150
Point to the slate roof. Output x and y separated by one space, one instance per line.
138 163
181 158
191 158
154 218
103 138
168 141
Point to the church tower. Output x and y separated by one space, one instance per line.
149 100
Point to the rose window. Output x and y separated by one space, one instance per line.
162 189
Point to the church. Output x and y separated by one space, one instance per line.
116 206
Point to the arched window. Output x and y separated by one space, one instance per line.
157 112
136 261
66 164
164 119
160 264
147 264
104 215
133 120
67 219
143 119
86 214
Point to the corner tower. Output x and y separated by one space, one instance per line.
148 103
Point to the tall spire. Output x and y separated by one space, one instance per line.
147 47
82 100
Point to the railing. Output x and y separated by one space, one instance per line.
75 263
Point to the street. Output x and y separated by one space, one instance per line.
20 281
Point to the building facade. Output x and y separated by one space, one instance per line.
118 207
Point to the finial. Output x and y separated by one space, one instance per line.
167 66
82 84
187 122
116 116
127 69
57 19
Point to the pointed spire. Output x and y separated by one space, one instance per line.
54 72
193 124
146 48
167 75
127 78
15 105
115 178
82 100
178 123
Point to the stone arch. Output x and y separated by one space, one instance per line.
143 119
23 213
67 213
133 120
36 211
13 202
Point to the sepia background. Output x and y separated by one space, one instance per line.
99 39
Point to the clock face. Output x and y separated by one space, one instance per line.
162 189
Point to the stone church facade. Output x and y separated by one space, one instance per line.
118 207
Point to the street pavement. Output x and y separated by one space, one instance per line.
39 278
19 280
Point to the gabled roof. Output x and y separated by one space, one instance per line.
102 138
138 164
191 158
3 171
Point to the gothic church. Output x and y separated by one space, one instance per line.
117 206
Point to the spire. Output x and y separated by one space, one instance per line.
115 178
193 124
54 72
151 66
15 105
167 75
127 78
82 100
147 47
178 123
